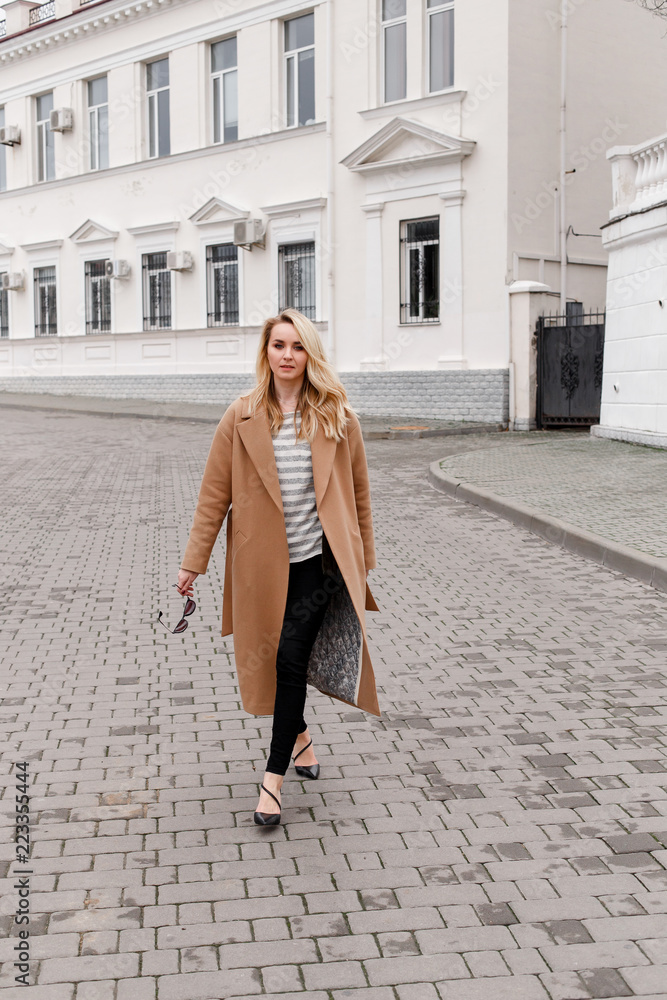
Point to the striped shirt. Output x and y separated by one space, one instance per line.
295 474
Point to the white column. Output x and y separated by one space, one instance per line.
374 359
527 300
451 281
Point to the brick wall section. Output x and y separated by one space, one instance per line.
472 395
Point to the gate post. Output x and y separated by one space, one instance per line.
527 300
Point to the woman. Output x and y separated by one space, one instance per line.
288 464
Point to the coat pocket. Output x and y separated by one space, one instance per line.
239 540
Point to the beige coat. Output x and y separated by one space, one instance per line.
241 480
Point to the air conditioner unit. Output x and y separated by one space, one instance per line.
179 260
10 135
117 269
61 119
12 282
249 233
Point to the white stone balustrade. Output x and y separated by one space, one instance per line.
639 175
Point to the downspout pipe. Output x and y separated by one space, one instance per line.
331 168
563 153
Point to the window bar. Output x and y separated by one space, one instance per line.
157 292
45 302
223 286
297 277
420 267
98 295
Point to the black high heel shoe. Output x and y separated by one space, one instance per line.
267 819
311 771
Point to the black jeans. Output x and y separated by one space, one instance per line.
308 593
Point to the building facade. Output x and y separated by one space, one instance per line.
175 171
634 380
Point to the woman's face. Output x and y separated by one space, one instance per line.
287 358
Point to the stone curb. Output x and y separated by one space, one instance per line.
369 435
648 569
135 411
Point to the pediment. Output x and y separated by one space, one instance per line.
5 249
217 210
91 232
404 140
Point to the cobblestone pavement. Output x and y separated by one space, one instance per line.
501 831
613 489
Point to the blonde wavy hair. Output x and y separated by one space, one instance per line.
322 400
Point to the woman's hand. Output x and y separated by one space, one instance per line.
185 581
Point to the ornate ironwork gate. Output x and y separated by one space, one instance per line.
569 367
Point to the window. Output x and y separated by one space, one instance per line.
225 91
98 122
440 44
46 163
296 263
45 302
4 311
420 270
222 284
3 156
394 49
300 70
157 291
157 85
98 297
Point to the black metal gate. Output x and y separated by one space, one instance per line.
569 367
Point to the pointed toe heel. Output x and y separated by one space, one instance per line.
267 819
308 772
311 771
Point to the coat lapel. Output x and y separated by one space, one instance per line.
256 436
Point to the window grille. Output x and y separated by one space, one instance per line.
300 70
45 302
157 85
440 44
46 162
394 27
98 297
222 282
225 90
296 262
157 291
98 122
4 312
420 270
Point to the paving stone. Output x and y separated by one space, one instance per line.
574 957
568 931
605 983
646 979
495 913
498 987
433 968
333 975
510 796
73 969
197 985
631 843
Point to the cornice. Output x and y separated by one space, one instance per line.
81 23
154 227
73 27
44 245
293 207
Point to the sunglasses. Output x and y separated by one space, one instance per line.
183 624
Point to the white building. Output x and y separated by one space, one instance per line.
402 160
634 382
